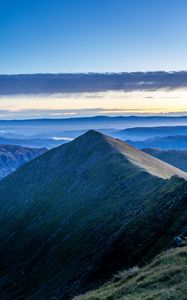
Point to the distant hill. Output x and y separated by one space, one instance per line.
12 157
178 142
89 82
177 158
80 212
142 133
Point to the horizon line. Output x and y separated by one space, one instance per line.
91 117
90 72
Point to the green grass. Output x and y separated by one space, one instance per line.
165 278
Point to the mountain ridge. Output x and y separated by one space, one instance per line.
177 158
137 157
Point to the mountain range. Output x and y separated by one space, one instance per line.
96 122
177 142
12 157
80 212
143 133
53 132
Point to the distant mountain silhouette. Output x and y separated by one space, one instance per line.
178 142
142 133
137 128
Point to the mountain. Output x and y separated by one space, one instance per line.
164 278
178 142
89 82
80 212
177 158
142 133
12 157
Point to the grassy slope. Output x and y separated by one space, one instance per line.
79 213
146 162
165 278
177 158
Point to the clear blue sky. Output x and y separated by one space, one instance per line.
92 35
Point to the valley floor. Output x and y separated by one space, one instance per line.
165 278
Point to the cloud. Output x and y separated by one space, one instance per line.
89 104
61 138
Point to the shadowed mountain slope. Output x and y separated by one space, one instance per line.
12 157
82 211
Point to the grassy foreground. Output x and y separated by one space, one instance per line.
165 278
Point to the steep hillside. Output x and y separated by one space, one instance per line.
177 158
164 278
12 157
80 212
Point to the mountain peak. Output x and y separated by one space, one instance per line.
90 137
93 133
136 157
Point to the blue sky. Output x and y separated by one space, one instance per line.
40 36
